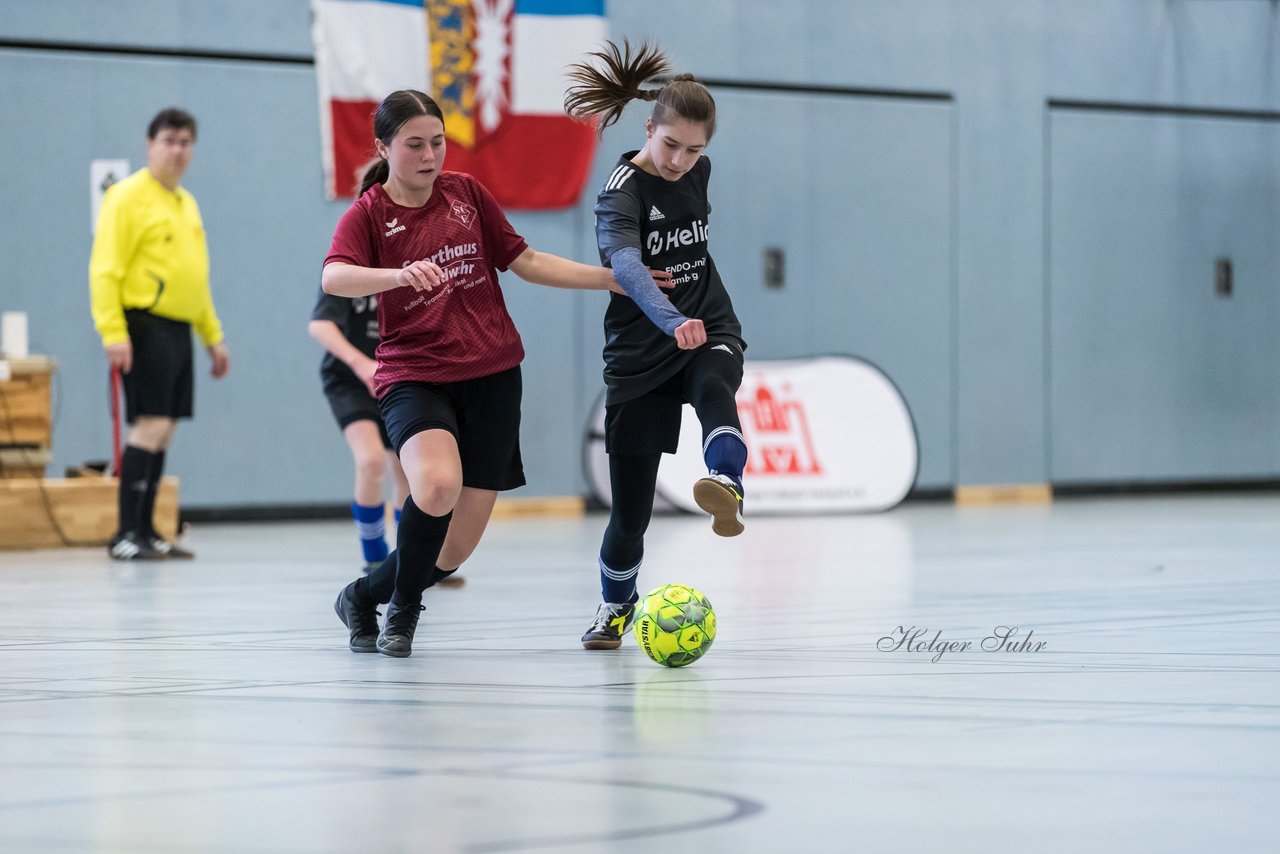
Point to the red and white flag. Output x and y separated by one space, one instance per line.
497 69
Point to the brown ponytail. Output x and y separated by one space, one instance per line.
376 172
602 93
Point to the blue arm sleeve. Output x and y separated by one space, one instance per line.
634 277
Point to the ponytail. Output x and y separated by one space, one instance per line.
603 92
376 172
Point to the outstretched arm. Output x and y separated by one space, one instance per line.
543 268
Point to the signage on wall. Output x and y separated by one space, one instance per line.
824 435
102 174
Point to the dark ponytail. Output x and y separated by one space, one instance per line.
603 92
375 172
395 109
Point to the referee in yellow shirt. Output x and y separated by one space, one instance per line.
149 284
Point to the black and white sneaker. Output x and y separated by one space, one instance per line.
721 496
397 635
612 621
362 621
132 547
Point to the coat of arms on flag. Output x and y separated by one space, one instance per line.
496 67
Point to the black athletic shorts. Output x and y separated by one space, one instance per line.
160 382
351 402
483 414
650 423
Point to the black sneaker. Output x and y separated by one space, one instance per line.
611 623
362 621
397 636
721 496
171 551
132 547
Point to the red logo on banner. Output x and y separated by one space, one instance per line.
777 434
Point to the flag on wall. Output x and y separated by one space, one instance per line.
496 67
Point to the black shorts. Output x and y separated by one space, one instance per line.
650 423
160 383
351 402
483 414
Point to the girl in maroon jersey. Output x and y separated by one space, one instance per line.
430 244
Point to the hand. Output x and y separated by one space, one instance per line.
691 335
221 360
120 356
364 369
420 275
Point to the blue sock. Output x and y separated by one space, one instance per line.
371 524
725 452
618 585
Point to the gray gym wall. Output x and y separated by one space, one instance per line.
988 199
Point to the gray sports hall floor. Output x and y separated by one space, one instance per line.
212 706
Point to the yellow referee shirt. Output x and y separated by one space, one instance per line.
150 253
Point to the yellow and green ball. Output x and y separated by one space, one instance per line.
675 625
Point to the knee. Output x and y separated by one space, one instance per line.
436 492
627 531
370 470
711 386
151 434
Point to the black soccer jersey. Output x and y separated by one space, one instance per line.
667 222
358 319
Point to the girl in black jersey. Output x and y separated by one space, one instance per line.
660 352
348 331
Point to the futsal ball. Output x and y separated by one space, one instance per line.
675 625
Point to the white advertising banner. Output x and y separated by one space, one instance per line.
824 435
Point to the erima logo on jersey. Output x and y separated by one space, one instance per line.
392 227
654 214
659 241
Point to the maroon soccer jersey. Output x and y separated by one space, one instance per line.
457 331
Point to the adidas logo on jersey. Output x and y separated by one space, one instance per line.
654 214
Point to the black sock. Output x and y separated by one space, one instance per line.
379 584
147 522
438 574
135 467
418 542
376 587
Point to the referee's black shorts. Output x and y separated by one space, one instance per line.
351 402
160 383
483 414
